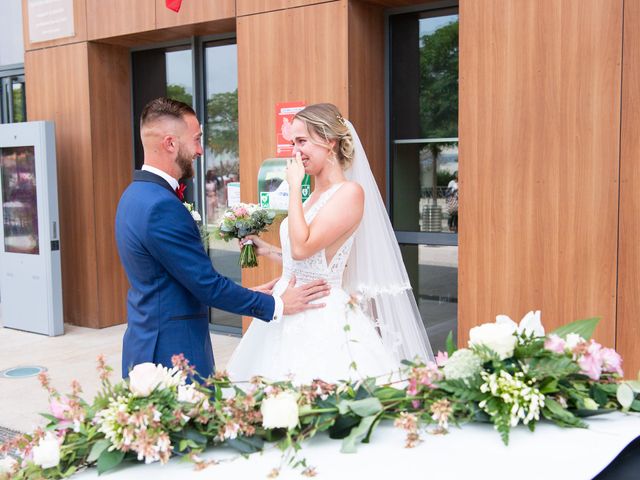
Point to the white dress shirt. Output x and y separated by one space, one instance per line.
278 308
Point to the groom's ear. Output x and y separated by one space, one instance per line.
169 143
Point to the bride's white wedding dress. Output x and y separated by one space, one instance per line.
337 342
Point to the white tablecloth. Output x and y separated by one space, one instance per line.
473 451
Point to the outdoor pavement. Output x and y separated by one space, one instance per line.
67 357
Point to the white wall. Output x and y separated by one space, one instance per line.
11 43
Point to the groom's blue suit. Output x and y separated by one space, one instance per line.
171 279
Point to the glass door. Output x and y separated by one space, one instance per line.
221 168
423 186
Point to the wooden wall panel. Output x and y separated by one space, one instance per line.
110 99
251 7
110 18
628 325
539 139
80 27
366 83
64 99
312 70
194 11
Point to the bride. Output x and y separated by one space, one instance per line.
341 234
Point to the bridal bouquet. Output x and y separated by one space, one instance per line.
240 221
510 374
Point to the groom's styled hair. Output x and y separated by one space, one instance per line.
164 107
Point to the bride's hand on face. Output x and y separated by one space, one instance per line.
261 247
295 170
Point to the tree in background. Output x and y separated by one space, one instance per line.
222 123
439 90
178 92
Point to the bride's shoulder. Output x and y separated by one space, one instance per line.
352 190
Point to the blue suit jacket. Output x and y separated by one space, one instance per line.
171 279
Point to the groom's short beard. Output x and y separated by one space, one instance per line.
185 162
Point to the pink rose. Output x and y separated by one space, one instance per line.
554 343
611 361
59 407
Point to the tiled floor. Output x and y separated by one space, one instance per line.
67 357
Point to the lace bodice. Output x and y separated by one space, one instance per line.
316 266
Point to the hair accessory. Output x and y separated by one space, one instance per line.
341 120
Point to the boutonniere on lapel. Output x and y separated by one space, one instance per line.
194 213
204 233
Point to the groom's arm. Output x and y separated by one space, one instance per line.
173 239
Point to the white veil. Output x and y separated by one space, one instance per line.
375 270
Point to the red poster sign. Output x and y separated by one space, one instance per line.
284 116
174 5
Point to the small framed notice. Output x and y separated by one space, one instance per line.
50 19
284 116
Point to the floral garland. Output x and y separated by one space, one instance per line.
510 374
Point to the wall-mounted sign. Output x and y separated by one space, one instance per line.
284 116
50 19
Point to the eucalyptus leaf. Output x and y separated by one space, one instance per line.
357 434
584 328
625 395
449 343
109 460
97 449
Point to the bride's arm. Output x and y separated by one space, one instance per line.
264 248
341 214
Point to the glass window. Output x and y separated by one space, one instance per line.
13 98
221 161
424 159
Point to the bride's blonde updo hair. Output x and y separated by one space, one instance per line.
324 122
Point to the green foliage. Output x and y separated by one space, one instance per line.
439 83
222 123
108 460
178 92
584 328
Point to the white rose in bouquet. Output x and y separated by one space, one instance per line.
280 411
530 324
496 336
145 377
8 465
47 452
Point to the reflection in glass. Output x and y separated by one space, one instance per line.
18 103
425 173
433 272
19 200
438 86
222 164
179 74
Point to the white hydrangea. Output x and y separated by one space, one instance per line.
462 364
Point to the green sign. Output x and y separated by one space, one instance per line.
273 190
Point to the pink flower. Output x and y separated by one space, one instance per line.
59 407
442 358
554 343
240 211
413 387
591 362
611 361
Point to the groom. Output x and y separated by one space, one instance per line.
171 277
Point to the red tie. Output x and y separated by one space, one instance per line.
180 191
173 5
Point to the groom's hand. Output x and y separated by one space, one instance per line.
296 299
